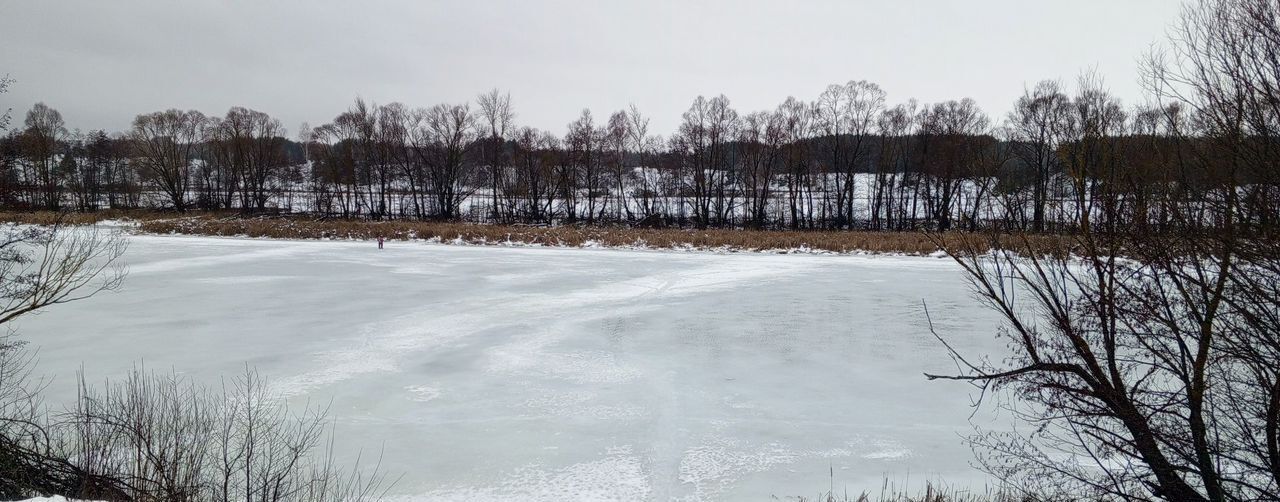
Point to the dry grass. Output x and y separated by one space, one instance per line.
301 227
931 493
76 218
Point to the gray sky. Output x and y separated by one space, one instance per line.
102 62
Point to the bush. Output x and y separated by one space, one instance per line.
151 436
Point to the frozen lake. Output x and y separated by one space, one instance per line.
487 373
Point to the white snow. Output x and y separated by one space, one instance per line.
507 373
55 498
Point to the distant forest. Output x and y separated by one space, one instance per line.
1062 158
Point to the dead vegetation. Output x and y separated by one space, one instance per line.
303 227
931 492
82 218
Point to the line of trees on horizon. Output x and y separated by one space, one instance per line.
846 160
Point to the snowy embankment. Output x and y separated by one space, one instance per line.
486 373
562 236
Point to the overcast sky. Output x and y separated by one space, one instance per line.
102 62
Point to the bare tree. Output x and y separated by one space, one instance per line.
497 116
166 143
646 178
398 125
1145 356
446 137
584 174
889 201
950 137
254 144
536 156
797 129
704 139
1035 125
846 116
5 82
42 141
760 138
1089 154
617 136
216 179
336 154
95 162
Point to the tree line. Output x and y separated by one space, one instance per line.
845 160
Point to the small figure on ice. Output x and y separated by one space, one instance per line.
379 242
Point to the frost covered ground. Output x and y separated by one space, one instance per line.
488 373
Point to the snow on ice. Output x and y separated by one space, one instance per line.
500 373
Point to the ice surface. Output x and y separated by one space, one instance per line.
492 373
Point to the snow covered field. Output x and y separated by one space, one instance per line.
487 373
